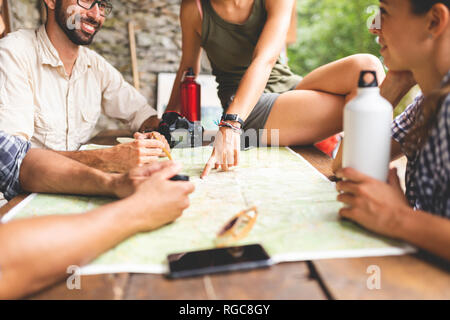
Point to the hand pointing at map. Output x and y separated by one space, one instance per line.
226 151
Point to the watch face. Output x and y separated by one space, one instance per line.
232 117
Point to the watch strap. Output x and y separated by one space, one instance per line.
233 117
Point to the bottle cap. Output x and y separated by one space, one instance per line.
190 73
368 79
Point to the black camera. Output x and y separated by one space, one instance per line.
180 132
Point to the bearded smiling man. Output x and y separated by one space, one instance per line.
53 90
81 31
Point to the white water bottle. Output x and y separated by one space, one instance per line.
367 129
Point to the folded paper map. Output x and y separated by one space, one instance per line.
297 214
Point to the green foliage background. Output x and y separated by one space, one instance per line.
329 30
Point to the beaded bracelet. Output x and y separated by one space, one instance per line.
229 125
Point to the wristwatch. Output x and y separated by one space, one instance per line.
233 117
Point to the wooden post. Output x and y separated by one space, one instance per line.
132 36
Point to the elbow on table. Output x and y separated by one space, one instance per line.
18 284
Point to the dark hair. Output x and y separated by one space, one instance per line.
431 105
423 6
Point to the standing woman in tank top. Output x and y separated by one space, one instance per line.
243 40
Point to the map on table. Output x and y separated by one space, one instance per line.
297 214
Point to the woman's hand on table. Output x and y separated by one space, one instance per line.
375 205
227 145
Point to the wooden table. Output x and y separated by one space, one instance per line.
417 276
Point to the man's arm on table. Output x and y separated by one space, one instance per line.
120 158
36 252
48 172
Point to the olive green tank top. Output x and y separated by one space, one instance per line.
230 50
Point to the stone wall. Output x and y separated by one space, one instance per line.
25 13
158 38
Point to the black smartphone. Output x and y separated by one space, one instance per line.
179 178
217 260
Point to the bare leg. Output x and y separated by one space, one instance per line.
314 111
304 117
341 77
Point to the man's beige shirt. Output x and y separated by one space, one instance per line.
52 110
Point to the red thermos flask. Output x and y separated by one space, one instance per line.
190 97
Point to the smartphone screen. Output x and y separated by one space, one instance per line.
217 260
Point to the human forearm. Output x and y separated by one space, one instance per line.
151 124
383 208
121 158
191 50
174 103
426 231
396 86
251 86
37 252
49 172
107 160
265 55
393 94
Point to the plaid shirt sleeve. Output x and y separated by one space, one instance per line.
12 152
443 143
403 123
